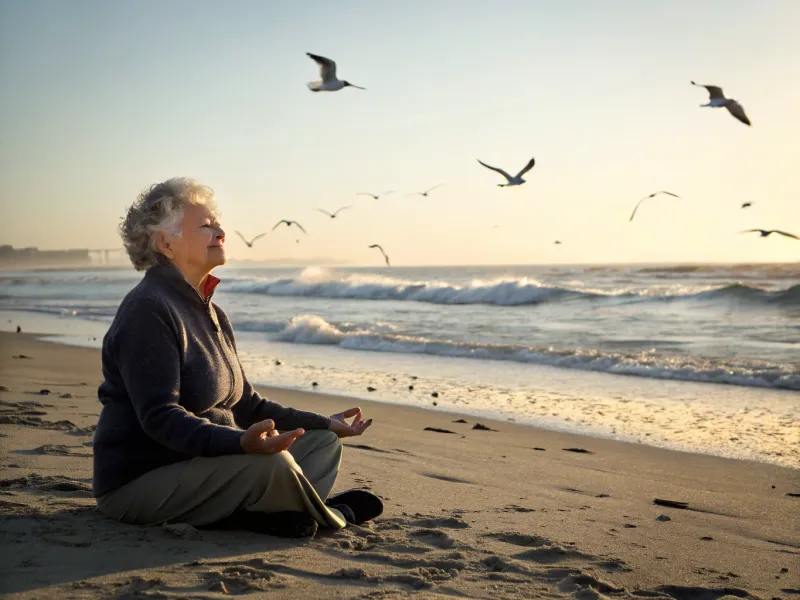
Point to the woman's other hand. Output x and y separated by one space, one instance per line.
342 428
262 438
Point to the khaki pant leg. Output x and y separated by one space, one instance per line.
319 454
202 491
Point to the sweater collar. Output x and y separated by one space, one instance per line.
166 271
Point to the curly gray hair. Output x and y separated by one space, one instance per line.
160 208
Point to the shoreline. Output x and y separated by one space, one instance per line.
512 513
574 415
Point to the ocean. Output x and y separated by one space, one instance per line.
701 358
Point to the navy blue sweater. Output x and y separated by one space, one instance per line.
174 388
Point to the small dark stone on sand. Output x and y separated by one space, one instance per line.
706 538
19 329
438 430
793 495
773 487
578 450
314 384
22 356
663 518
278 362
44 392
602 496
411 387
540 449
629 526
481 427
435 403
459 421
784 570
67 395
370 388
3 388
671 503
435 394
413 377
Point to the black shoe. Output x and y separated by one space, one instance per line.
289 524
360 505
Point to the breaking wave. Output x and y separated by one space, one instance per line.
312 329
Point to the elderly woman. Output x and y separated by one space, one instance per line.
183 436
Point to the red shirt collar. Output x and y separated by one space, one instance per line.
209 286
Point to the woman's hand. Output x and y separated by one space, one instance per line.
262 438
342 428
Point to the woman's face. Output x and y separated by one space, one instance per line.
201 244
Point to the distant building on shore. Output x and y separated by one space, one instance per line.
33 257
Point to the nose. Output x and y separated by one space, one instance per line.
220 234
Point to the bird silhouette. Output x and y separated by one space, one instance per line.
251 242
517 179
334 213
375 196
385 256
327 70
747 205
653 195
289 224
716 99
426 192
767 232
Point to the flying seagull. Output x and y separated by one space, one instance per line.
746 205
334 213
766 232
716 99
517 179
376 196
327 70
289 224
385 256
650 196
251 242
426 192
557 242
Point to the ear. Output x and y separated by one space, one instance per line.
161 242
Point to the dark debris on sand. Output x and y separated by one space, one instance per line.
438 430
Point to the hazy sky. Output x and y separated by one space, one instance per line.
100 99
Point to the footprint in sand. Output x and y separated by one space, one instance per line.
434 537
56 450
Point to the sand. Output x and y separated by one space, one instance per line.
518 512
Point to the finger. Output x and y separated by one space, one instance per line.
263 426
351 412
272 433
281 442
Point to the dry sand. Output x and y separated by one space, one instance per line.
472 514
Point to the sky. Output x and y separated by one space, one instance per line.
100 99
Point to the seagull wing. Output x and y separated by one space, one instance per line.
737 111
714 92
789 235
338 210
433 188
387 193
278 224
325 212
260 235
750 231
637 207
385 256
243 238
527 168
298 226
503 173
366 194
668 193
327 68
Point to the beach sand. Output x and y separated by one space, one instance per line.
515 513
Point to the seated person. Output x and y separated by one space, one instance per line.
182 436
